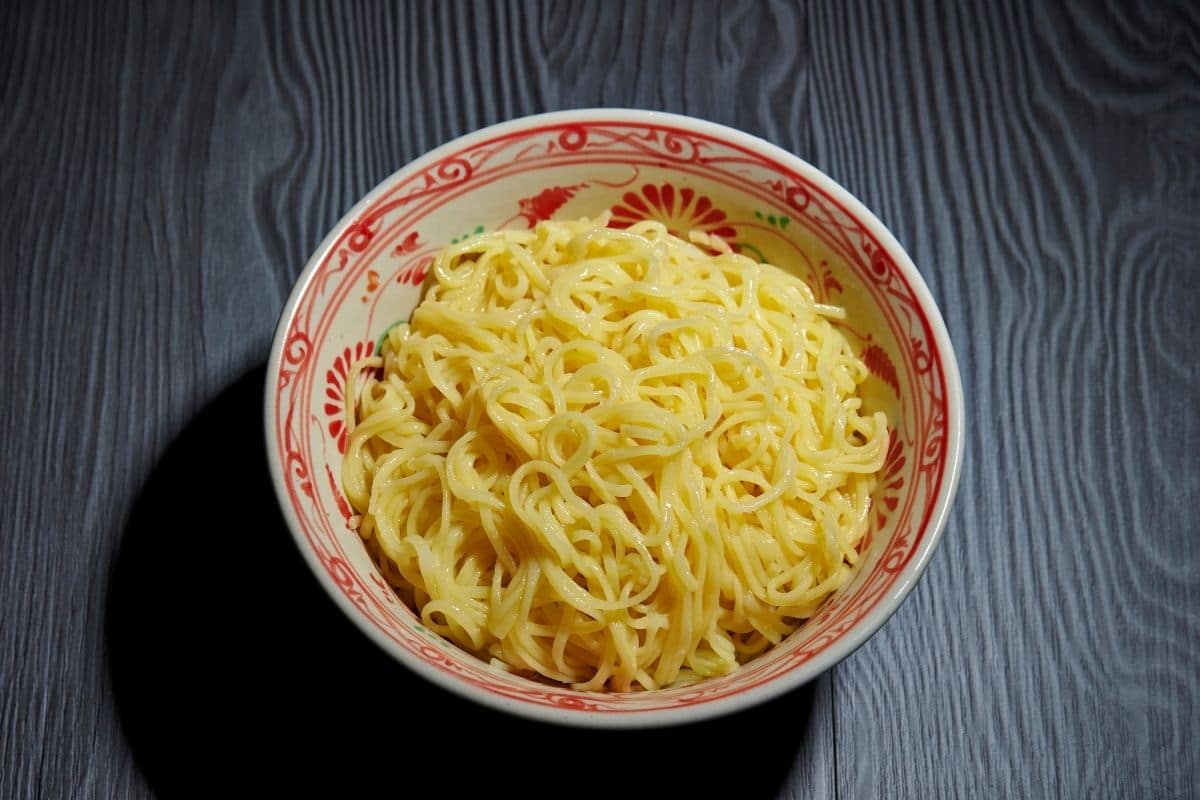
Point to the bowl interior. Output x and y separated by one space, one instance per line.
367 277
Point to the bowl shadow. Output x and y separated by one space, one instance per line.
232 670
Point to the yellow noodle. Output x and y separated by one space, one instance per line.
613 459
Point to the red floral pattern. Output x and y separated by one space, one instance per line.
343 506
880 365
416 273
919 459
407 245
681 210
335 390
891 478
823 282
543 204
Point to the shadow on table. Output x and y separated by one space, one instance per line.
230 664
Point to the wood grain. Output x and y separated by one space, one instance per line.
165 171
1045 180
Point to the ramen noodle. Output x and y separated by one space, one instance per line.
615 459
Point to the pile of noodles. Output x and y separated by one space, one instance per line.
615 459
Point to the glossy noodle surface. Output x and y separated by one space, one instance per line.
615 459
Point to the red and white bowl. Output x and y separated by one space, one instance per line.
690 174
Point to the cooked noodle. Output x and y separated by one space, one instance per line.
611 458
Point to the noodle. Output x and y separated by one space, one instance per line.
610 458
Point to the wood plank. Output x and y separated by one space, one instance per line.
166 171
169 171
1041 166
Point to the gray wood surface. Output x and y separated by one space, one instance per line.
166 170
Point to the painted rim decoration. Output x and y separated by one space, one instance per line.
304 394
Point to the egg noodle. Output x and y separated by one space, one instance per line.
612 458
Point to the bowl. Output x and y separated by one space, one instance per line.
690 174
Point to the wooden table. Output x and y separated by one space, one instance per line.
166 171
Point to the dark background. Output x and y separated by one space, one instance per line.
165 172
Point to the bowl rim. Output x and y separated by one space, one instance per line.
844 644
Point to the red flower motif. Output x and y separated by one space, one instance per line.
543 204
880 365
343 506
822 281
361 234
407 245
890 478
881 263
416 273
681 210
572 702
335 389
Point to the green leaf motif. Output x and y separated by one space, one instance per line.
383 336
478 230
747 247
780 221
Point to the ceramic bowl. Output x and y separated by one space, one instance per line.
690 174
